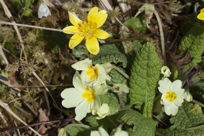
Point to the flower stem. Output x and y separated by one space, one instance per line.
121 71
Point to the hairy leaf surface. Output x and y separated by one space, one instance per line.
110 53
142 126
144 77
189 121
193 44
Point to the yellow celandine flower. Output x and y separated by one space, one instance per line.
88 30
200 16
83 97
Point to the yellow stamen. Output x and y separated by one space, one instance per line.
87 27
92 72
89 95
170 96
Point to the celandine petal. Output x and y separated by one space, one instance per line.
202 10
92 14
101 34
102 16
92 45
200 16
82 110
70 29
74 19
71 97
97 17
75 40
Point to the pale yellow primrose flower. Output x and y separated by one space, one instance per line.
165 71
200 16
120 88
101 132
89 30
120 132
81 97
90 72
172 95
187 96
101 110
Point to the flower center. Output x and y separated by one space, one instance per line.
89 95
87 27
170 96
92 72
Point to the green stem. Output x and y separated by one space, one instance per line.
121 71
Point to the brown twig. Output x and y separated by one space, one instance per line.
8 109
9 85
197 102
36 124
9 15
40 27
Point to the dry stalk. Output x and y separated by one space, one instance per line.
3 55
9 15
8 109
40 27
107 5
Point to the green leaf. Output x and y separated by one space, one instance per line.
92 121
137 24
142 126
189 121
116 77
193 44
145 74
112 102
110 53
72 130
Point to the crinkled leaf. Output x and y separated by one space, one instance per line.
142 126
72 130
145 74
116 77
189 121
193 44
112 102
137 24
110 53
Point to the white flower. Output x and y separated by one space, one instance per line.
120 132
187 96
172 95
120 88
102 111
90 72
43 10
165 71
81 96
101 132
